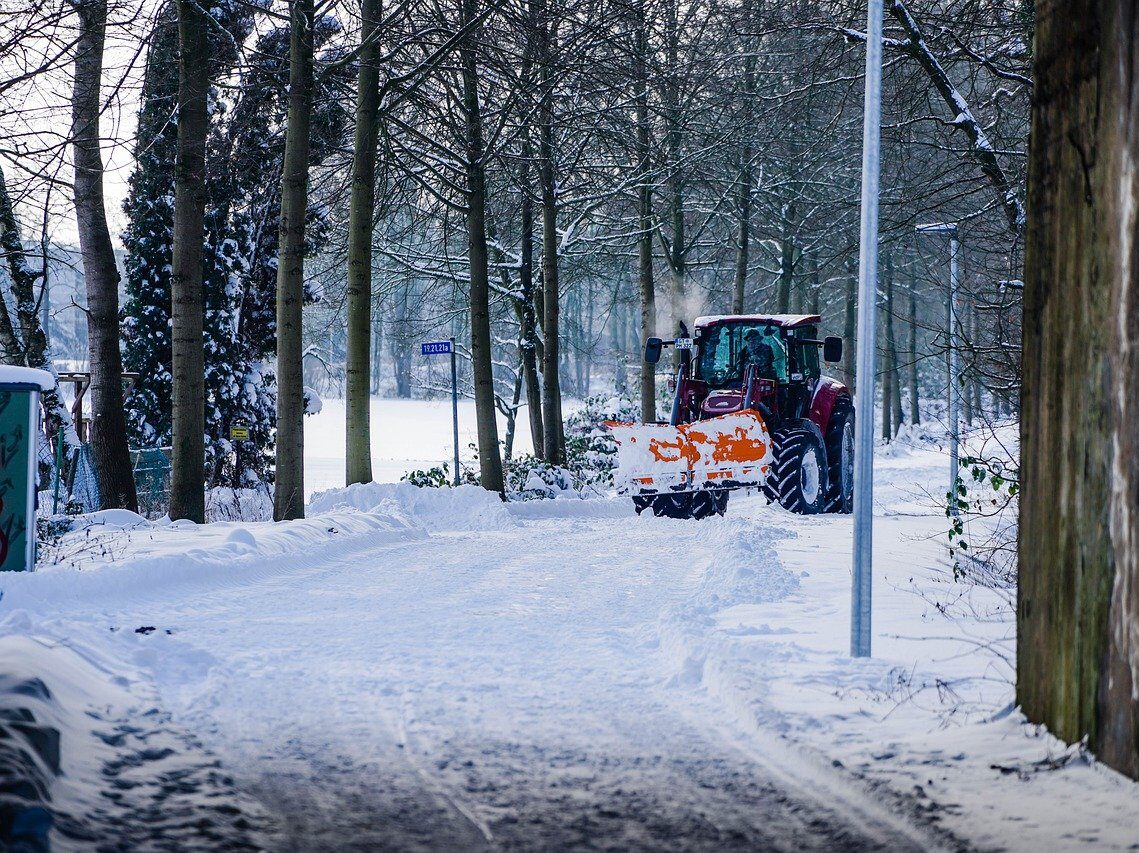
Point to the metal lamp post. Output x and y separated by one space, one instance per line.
951 323
862 580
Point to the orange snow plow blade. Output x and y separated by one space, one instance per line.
728 451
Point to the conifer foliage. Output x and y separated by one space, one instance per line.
243 168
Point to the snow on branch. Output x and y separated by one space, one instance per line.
963 118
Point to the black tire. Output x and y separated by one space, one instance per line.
840 457
699 505
800 471
707 504
673 506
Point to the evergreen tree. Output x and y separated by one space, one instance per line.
240 254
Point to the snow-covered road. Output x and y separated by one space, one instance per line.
434 669
500 688
522 684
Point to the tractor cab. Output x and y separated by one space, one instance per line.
769 363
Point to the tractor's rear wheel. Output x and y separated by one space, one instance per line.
840 457
800 471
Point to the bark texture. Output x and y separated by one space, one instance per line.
912 351
1078 608
527 317
187 476
357 384
289 491
482 370
645 284
554 441
101 275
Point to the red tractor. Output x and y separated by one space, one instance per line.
751 409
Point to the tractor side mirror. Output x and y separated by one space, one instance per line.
652 350
832 349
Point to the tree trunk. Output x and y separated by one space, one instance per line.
377 352
482 370
815 290
527 319
512 417
187 474
743 234
645 284
289 493
1078 596
101 275
849 326
886 370
357 395
892 395
912 351
554 435
744 178
674 140
966 386
786 266
975 337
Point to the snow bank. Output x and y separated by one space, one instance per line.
461 508
92 743
114 562
572 505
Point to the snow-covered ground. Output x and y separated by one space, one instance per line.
406 435
434 669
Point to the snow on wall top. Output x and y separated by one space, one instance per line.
12 375
786 320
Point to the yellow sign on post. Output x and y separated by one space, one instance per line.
239 433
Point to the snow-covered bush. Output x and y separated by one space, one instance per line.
591 454
529 478
590 446
439 477
226 504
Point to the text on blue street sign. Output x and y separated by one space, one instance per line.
436 348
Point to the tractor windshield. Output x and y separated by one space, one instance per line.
726 350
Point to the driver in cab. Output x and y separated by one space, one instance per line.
756 351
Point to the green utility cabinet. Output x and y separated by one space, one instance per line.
20 390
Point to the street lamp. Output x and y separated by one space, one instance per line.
862 579
951 322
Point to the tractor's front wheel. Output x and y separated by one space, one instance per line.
800 473
698 505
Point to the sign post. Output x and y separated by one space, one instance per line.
447 347
238 434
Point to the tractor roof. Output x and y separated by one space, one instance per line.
786 321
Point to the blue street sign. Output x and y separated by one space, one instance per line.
436 348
